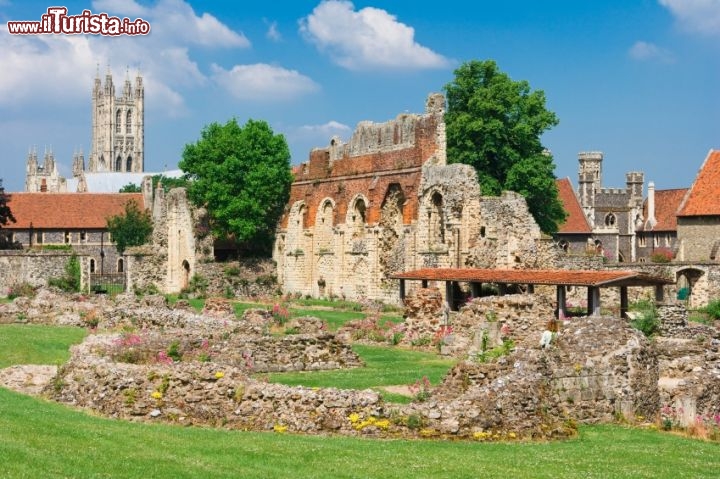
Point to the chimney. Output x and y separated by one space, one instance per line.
651 221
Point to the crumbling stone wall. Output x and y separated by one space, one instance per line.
180 240
387 202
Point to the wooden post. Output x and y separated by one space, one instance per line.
475 289
659 293
402 290
424 283
623 301
448 294
561 309
593 301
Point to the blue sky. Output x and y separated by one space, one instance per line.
636 79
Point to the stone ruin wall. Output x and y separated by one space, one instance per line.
387 202
180 241
32 267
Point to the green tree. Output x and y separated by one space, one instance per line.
494 124
132 228
242 176
6 216
131 188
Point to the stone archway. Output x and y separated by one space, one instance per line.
686 280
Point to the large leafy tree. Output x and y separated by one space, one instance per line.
132 228
494 124
241 174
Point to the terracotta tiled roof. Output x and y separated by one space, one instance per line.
576 221
667 203
67 210
704 196
535 276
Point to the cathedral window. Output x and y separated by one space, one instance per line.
118 117
129 164
118 164
128 122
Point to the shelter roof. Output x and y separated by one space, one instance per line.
604 278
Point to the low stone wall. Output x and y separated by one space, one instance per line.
244 278
594 370
32 267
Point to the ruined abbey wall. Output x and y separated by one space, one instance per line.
387 202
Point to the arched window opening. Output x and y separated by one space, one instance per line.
118 164
118 117
436 222
564 245
92 265
128 122
610 220
120 265
358 217
128 164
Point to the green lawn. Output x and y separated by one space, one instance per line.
37 344
385 366
41 439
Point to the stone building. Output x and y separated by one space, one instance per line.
573 234
387 202
76 220
614 214
658 234
698 217
117 144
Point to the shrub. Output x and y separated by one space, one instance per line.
661 255
21 289
712 309
646 321
70 282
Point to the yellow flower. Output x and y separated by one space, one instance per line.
383 424
219 375
354 417
156 395
512 435
279 428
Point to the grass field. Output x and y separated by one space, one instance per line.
36 344
384 367
41 439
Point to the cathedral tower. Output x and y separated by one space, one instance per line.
118 140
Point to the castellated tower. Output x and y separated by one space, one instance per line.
589 180
118 139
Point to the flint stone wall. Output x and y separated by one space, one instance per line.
34 268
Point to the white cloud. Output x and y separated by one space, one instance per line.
272 33
58 69
172 20
128 8
263 82
366 39
644 51
702 16
328 129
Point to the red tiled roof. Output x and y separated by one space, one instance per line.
576 221
67 210
535 276
704 196
667 203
